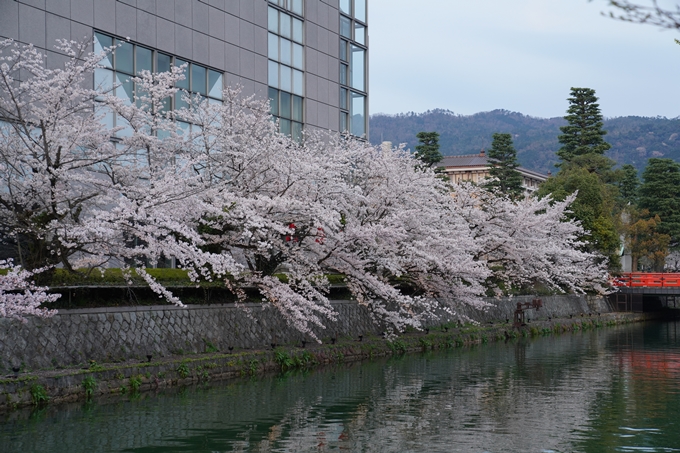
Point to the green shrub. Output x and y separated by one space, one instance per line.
425 344
89 384
135 383
39 394
283 360
183 370
209 347
397 346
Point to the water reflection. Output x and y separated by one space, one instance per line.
610 390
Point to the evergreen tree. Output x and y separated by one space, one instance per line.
593 208
660 195
428 149
629 184
585 169
503 167
583 134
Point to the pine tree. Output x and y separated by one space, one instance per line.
629 184
428 149
660 194
585 169
584 134
503 167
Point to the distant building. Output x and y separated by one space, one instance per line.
310 57
475 168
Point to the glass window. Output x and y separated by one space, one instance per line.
357 69
124 57
286 78
185 82
103 79
101 42
180 101
198 79
343 74
107 118
285 29
163 62
183 128
273 20
144 59
298 82
345 27
167 104
297 108
215 85
273 46
130 59
296 7
298 61
285 105
284 126
360 10
343 122
286 52
343 50
296 131
358 113
274 100
360 33
273 79
125 89
286 65
346 7
126 131
297 30
343 98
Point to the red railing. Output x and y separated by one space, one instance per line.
648 280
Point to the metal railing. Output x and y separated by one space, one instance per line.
648 280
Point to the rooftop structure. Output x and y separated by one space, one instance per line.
475 168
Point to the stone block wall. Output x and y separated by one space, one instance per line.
74 337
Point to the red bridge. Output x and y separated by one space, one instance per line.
644 291
648 280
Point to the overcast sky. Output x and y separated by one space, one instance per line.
471 56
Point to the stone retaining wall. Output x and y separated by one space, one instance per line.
74 337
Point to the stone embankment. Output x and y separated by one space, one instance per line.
74 338
202 343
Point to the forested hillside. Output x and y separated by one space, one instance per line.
633 139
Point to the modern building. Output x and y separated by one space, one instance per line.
310 57
475 168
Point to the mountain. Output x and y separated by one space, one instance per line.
634 139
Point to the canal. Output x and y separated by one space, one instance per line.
609 390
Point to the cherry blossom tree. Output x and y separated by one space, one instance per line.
19 296
530 241
216 187
51 139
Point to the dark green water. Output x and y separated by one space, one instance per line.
611 390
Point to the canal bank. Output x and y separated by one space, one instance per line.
76 338
97 380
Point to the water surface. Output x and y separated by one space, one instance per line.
610 390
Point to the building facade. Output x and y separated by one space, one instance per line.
310 57
475 168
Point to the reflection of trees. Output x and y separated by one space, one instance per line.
641 399
526 396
